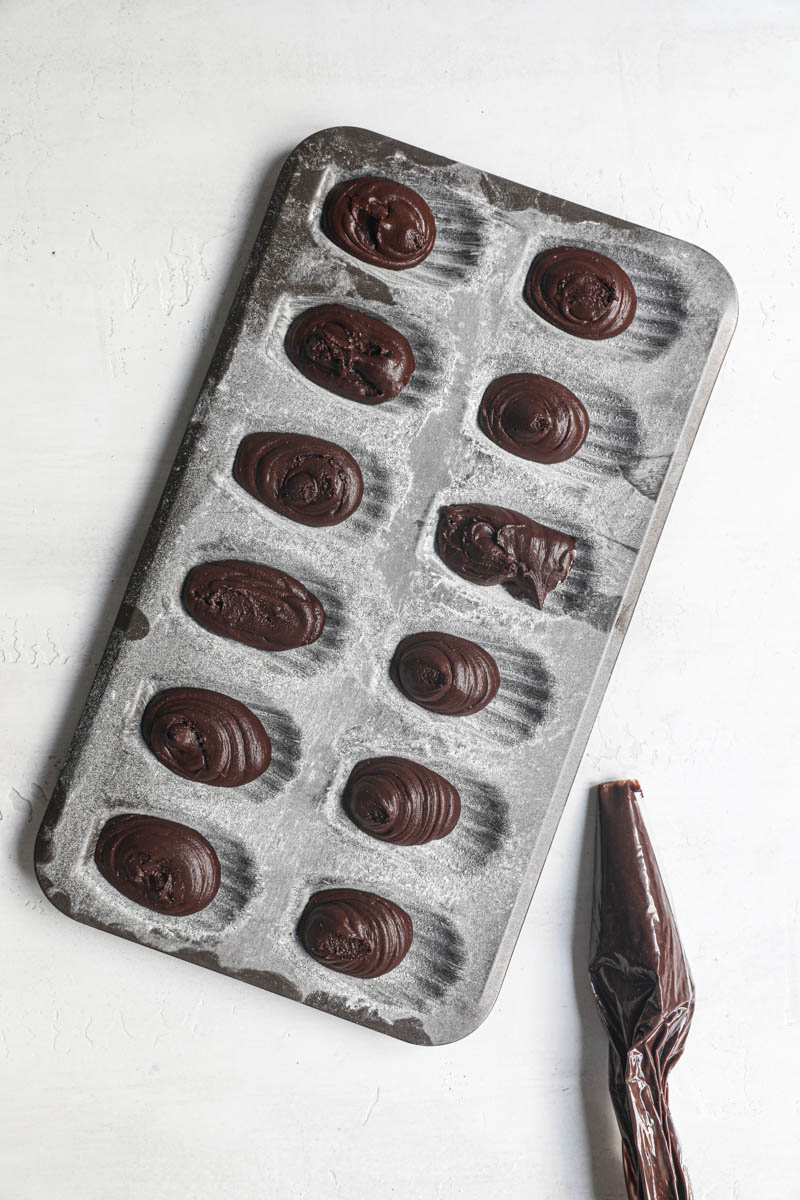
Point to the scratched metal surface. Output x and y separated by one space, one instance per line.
328 705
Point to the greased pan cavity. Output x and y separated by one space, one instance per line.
327 705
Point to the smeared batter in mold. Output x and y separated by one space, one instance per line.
488 545
250 603
380 222
350 353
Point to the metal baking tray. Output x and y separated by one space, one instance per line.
326 706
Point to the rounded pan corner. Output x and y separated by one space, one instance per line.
467 1023
58 899
723 283
322 136
43 849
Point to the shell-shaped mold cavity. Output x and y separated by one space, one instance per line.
401 801
445 674
593 592
525 700
487 545
350 353
162 865
661 306
614 435
463 236
206 736
581 292
533 417
304 478
433 966
380 222
354 932
254 604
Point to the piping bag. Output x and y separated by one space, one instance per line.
644 991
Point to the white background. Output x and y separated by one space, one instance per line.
139 144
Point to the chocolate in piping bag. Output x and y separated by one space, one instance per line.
644 991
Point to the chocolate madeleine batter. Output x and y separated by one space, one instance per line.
400 801
253 604
379 221
303 478
487 545
350 353
533 417
159 864
357 933
581 292
206 736
644 991
444 673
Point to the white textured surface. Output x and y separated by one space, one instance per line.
139 143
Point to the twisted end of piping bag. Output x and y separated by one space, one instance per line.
644 992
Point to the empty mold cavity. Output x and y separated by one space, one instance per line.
647 473
661 305
592 592
463 239
524 699
614 436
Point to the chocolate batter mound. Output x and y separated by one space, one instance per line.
444 673
350 353
357 933
205 736
159 864
533 417
400 801
488 545
303 478
253 604
644 991
380 222
581 292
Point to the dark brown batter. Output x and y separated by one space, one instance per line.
644 991
488 545
206 736
581 292
445 674
159 864
533 417
357 933
350 353
401 801
380 222
303 478
253 604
